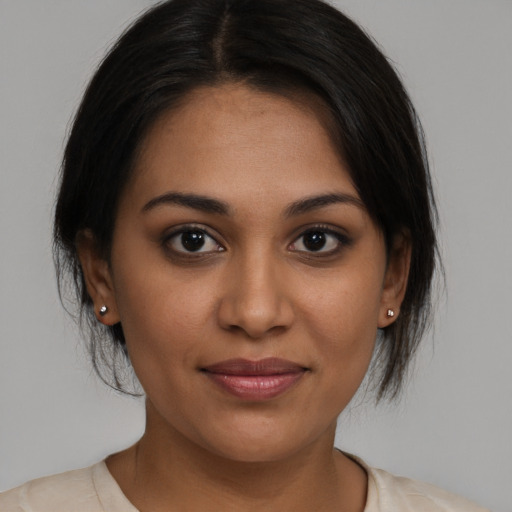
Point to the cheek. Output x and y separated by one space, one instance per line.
164 313
345 310
341 317
345 339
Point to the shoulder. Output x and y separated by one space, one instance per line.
390 493
90 489
51 493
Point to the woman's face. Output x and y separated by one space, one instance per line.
247 275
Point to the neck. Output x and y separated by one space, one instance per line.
165 472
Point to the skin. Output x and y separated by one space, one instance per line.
256 291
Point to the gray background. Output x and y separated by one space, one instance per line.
454 424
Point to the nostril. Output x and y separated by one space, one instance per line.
255 307
254 333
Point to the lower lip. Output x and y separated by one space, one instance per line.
256 387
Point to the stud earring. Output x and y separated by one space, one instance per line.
390 313
103 310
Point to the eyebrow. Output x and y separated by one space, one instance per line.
210 205
197 202
316 202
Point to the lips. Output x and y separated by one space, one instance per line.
255 380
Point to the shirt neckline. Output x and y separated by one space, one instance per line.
113 499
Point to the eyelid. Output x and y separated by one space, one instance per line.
183 228
326 228
343 239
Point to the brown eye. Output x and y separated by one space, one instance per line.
314 241
321 241
193 241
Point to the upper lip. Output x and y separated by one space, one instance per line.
266 366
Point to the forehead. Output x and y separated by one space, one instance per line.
230 140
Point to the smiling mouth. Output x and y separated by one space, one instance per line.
255 380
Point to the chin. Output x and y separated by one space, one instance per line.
269 443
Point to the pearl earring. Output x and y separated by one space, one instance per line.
103 310
390 313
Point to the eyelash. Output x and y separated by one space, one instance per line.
168 239
342 241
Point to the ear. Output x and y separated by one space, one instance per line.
395 279
98 278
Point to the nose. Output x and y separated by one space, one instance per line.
255 299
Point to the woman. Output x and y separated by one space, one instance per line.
246 210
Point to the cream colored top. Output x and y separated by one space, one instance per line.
94 489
